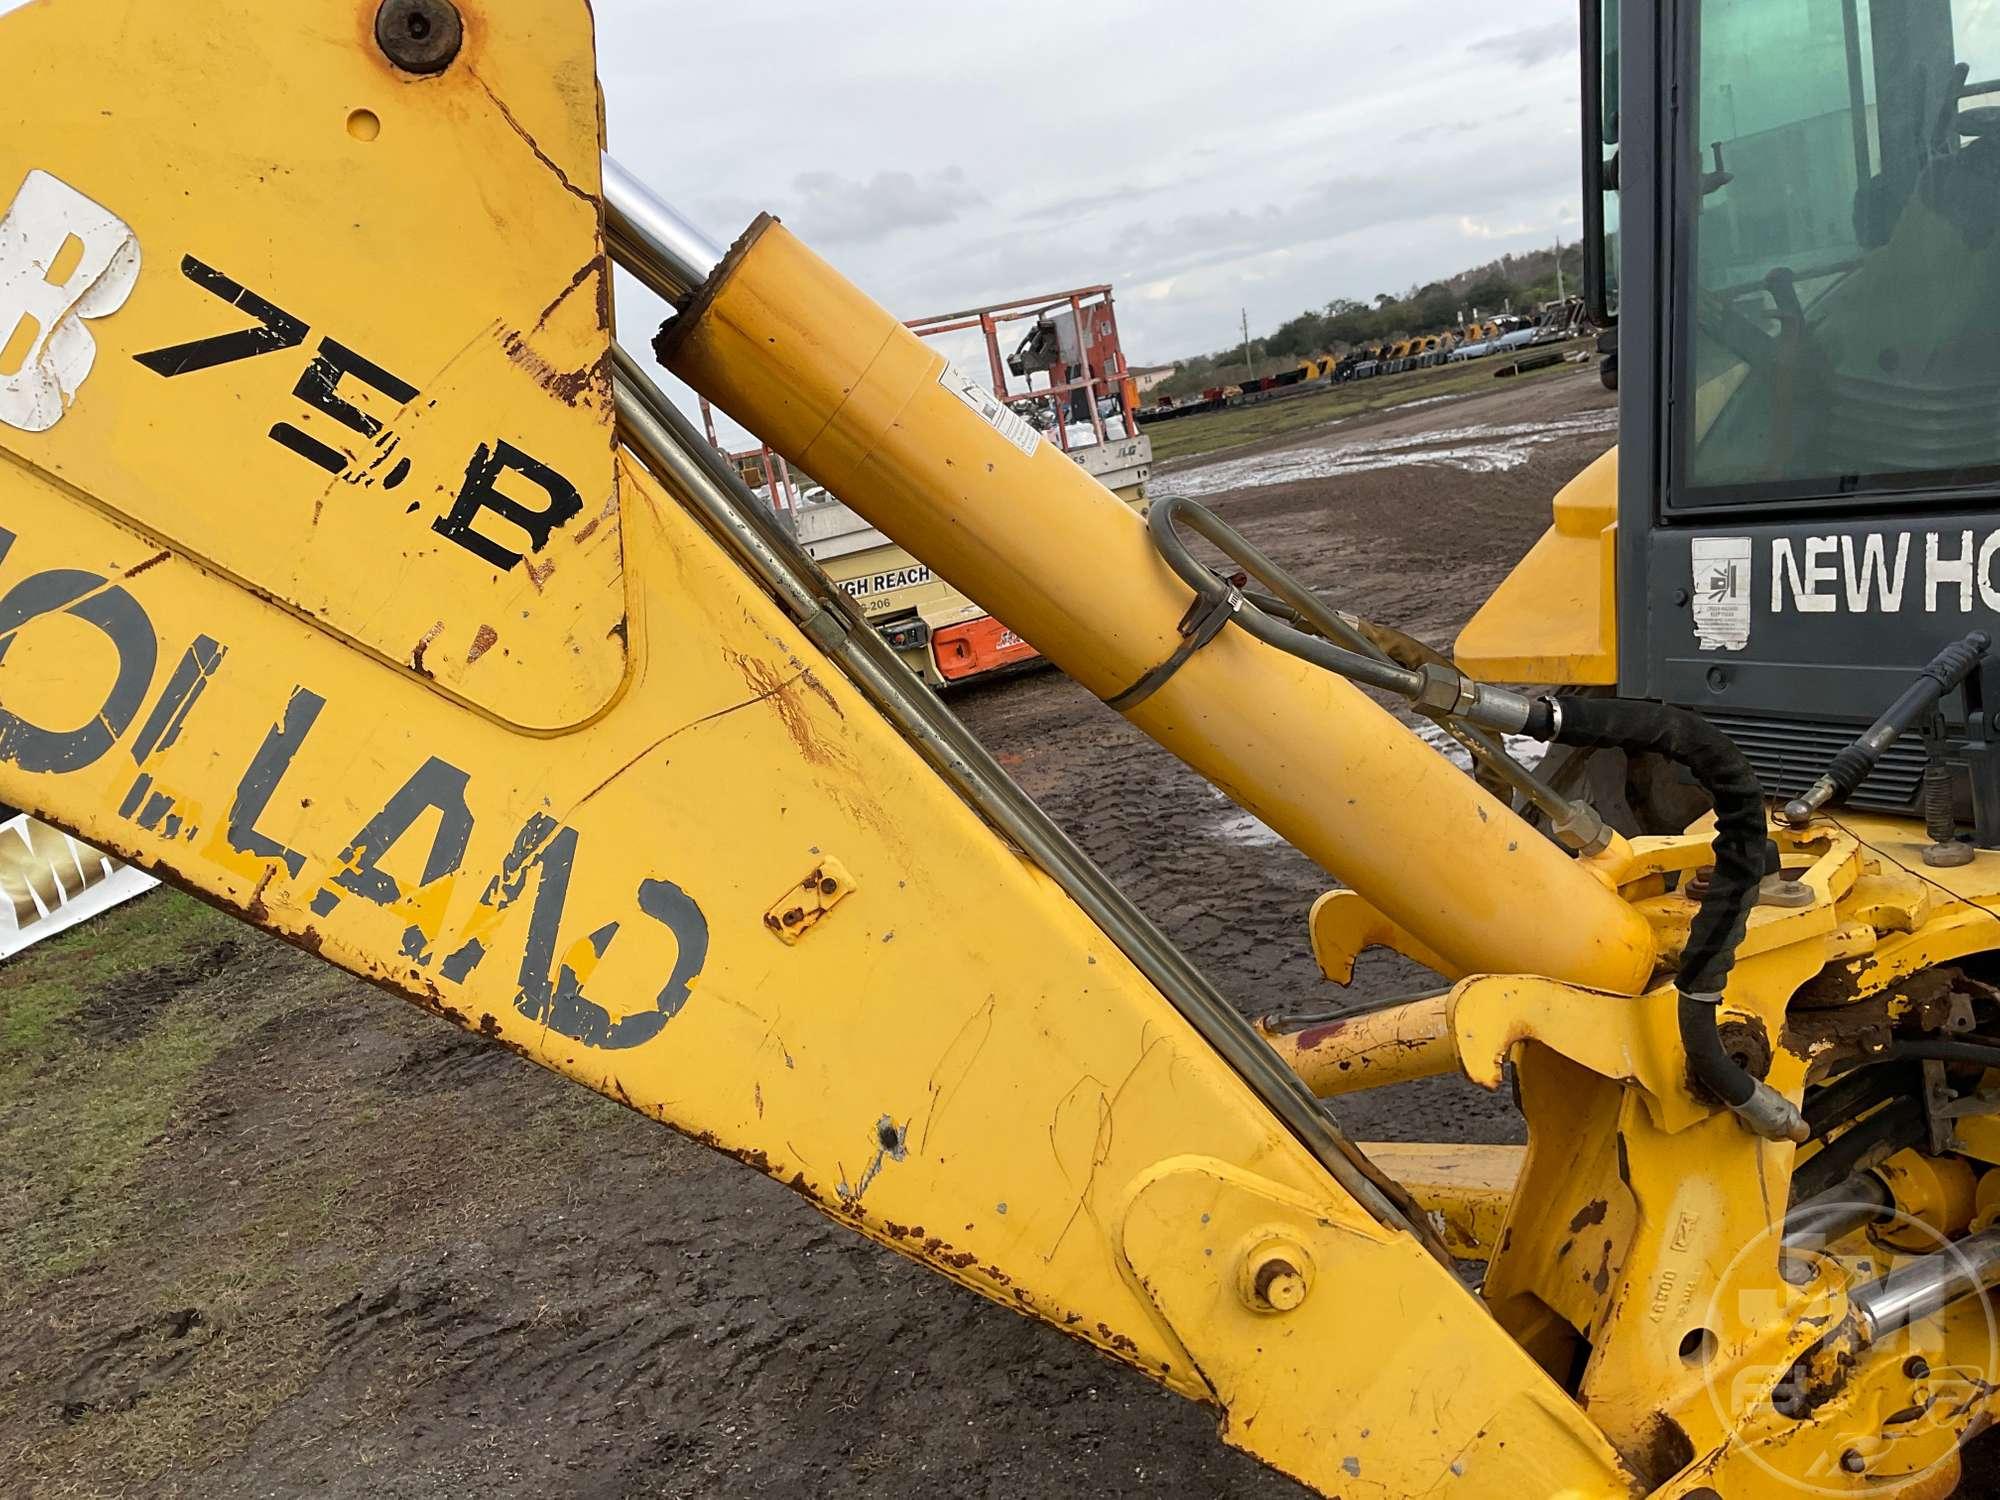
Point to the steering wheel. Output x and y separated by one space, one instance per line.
1741 335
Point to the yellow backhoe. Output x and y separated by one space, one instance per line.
355 576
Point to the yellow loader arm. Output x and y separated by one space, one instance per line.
355 579
330 593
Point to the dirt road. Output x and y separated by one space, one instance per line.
264 1231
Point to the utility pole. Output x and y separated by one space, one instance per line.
1561 296
1246 345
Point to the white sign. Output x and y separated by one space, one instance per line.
991 410
63 259
49 882
881 583
1722 592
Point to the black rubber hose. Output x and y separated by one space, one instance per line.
1721 770
1980 1054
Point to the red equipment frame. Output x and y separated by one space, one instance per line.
1104 372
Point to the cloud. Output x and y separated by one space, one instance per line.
1481 229
839 210
1533 45
1081 205
1271 165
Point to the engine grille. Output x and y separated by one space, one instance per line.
1790 754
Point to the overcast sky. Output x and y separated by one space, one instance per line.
1202 158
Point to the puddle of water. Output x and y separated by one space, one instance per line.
1528 752
1482 448
1247 831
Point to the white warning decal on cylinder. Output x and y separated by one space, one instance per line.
1722 592
63 259
994 412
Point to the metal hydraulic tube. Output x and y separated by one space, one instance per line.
786 346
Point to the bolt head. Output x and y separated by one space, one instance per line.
419 36
1916 1367
1853 1462
1280 1287
1275 1276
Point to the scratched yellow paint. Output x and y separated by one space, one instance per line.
559 799
457 249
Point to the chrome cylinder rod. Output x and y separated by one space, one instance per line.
649 238
1927 1286
1836 1213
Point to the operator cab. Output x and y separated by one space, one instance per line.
1799 212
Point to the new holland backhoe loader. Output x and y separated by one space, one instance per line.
355 578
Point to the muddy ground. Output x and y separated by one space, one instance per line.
265 1231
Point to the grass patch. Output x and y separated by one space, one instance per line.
42 990
85 1146
1236 426
77 1112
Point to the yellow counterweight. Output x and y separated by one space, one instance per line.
833 382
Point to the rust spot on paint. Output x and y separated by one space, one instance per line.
778 690
1319 1036
610 510
255 909
151 562
570 387
1123 1343
820 688
417 654
1592 1212
483 641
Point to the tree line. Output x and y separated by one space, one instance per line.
1519 282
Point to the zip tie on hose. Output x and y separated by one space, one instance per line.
1710 756
1201 624
1433 688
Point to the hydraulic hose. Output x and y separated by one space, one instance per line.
1721 770
1873 1141
1688 740
1920 699
1970 1050
1428 677
1591 723
1335 645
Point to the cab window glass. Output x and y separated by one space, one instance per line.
1840 292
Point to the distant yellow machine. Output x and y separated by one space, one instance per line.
356 577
